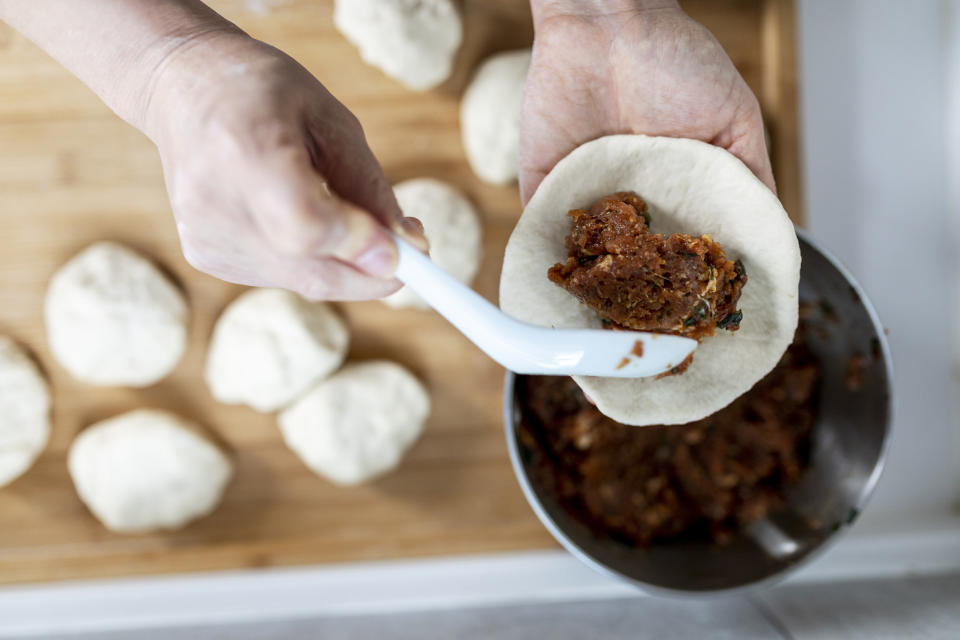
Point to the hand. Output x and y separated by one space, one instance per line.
631 66
269 176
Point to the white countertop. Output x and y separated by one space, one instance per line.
874 84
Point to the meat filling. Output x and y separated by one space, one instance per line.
701 480
636 279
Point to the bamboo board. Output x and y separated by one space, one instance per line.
71 173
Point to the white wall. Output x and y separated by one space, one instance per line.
873 86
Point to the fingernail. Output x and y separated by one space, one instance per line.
411 230
412 225
379 261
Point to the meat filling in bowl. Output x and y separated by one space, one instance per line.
636 279
705 479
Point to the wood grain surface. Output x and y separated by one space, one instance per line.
72 173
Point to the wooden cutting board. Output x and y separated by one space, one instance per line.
72 173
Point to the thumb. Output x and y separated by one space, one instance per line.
753 153
529 181
749 143
298 215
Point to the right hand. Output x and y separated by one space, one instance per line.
270 178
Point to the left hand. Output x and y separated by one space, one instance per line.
631 66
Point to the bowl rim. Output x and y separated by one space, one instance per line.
865 493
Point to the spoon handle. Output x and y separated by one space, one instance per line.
526 348
463 307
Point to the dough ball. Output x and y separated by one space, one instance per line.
113 318
490 116
271 345
24 411
412 41
147 470
358 423
452 226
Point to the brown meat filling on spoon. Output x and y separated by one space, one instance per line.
636 279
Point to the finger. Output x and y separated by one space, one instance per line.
751 147
543 143
330 279
411 230
531 171
357 176
299 215
354 173
530 180
753 153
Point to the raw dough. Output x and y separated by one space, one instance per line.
412 41
113 318
690 187
490 116
271 345
452 227
147 470
358 423
24 411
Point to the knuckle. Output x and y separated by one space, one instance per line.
201 254
351 123
276 134
293 232
318 289
197 258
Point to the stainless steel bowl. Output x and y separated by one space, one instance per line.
850 440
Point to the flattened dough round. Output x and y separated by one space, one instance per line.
114 319
690 187
271 345
147 470
490 116
24 411
412 41
452 227
358 423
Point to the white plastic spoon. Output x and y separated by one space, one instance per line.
527 348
